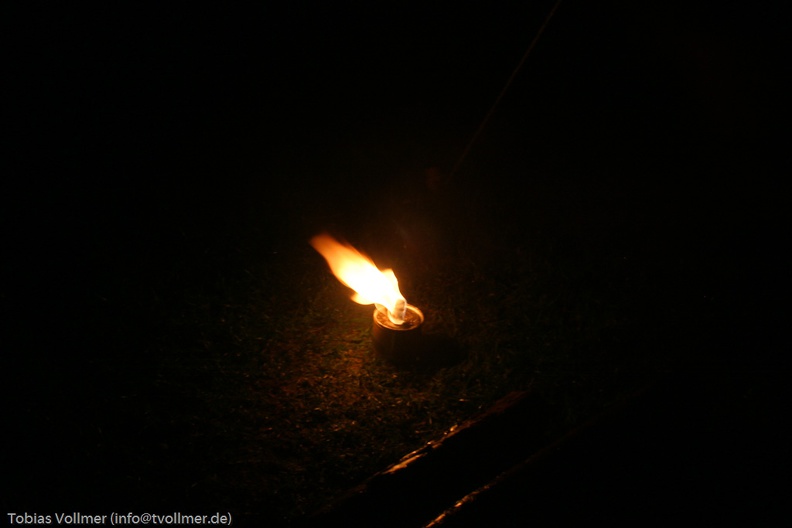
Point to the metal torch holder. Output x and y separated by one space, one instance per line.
398 343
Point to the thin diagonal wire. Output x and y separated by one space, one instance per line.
505 89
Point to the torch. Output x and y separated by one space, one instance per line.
396 328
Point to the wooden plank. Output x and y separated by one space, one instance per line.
423 483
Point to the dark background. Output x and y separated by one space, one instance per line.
150 151
131 129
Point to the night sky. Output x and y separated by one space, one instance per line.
140 138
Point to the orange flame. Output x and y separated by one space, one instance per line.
355 270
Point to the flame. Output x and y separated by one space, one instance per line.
355 270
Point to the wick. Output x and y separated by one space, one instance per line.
399 313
